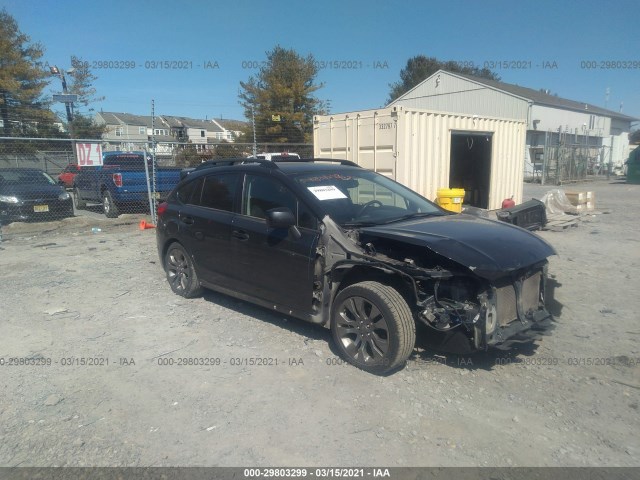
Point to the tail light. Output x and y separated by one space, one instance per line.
162 208
117 179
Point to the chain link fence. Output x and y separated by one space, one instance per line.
559 164
50 179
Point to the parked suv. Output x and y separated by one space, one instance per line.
335 244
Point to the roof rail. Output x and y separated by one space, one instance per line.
347 163
271 164
232 161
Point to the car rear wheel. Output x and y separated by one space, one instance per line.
108 205
373 327
181 274
77 201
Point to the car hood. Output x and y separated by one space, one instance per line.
32 192
489 248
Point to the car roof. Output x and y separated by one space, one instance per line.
287 167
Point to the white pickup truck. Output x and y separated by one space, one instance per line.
277 156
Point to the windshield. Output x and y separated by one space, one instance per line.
363 197
25 177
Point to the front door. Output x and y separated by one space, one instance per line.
273 264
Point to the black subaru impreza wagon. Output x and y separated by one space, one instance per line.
335 244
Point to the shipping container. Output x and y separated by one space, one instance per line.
427 150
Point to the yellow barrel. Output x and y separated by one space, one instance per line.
450 199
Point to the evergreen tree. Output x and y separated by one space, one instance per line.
281 97
23 111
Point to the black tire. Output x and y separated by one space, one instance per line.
77 201
373 327
181 274
109 207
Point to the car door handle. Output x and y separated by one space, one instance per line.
188 220
240 235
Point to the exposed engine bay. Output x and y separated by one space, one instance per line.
486 306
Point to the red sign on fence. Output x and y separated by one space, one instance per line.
89 154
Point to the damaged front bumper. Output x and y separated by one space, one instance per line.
521 332
519 307
510 311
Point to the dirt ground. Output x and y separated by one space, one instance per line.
109 378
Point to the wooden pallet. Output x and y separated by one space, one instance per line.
558 222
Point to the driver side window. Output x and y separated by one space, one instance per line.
262 194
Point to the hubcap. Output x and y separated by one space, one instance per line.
178 270
362 330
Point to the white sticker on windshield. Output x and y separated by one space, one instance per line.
327 192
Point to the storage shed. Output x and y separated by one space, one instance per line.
552 121
427 150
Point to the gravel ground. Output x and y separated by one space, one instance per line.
97 307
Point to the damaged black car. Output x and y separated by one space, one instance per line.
335 244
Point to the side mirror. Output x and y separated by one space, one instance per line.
280 218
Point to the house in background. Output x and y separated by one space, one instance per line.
233 128
124 128
126 131
551 120
198 132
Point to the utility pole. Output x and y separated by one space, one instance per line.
253 124
67 103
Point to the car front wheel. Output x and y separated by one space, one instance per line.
181 274
373 327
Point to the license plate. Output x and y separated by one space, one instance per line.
40 208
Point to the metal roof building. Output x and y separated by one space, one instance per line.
551 120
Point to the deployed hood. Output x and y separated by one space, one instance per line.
488 247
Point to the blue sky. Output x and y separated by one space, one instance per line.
561 35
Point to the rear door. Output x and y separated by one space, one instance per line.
272 264
207 225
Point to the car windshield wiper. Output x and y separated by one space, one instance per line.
412 215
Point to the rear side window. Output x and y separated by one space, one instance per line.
219 191
126 162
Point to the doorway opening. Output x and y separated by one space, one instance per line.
470 166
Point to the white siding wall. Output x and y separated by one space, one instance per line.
447 93
551 118
414 147
195 136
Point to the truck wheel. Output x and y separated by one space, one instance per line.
77 201
108 205
373 327
181 274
